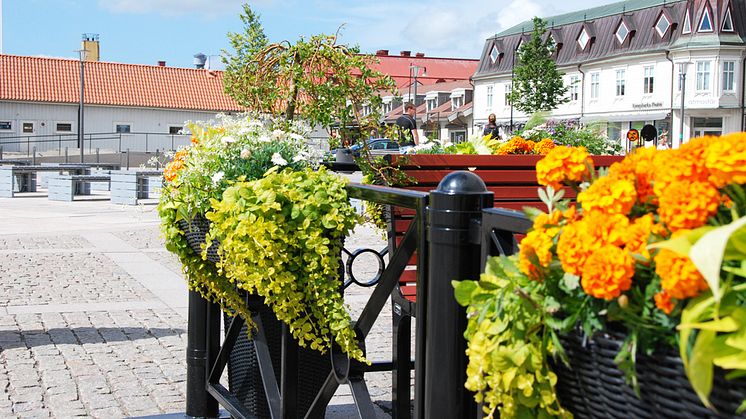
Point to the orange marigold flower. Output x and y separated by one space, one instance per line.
679 277
607 228
516 145
564 164
544 146
181 154
638 167
194 140
638 235
684 164
535 247
548 223
172 169
686 205
726 160
608 273
574 246
609 195
663 302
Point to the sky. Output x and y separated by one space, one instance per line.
148 31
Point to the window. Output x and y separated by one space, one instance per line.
729 72
620 82
123 128
5 126
63 127
386 108
727 21
28 127
679 77
662 25
705 25
432 104
366 110
458 136
647 87
174 130
703 75
489 97
457 102
614 131
595 84
687 28
621 33
508 89
583 39
494 54
574 81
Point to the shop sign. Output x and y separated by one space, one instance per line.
647 105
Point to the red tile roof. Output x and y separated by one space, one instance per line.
436 69
57 80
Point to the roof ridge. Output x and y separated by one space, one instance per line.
107 62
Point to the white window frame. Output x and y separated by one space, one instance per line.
648 80
729 75
179 127
703 70
432 104
707 15
57 131
687 27
494 54
727 19
595 84
457 102
123 123
668 25
489 96
621 82
508 87
452 134
626 34
573 88
10 125
583 39
33 127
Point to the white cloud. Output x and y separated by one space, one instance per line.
209 8
518 11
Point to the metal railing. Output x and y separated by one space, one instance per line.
113 142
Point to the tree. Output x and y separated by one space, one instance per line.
537 84
314 79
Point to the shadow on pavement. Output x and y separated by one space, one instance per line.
80 336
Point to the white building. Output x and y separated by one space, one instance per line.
622 64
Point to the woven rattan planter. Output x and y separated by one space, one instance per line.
595 388
244 379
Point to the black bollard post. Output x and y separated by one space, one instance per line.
199 403
453 216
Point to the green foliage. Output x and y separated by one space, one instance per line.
246 45
570 133
508 343
281 237
537 84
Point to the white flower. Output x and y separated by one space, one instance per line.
299 157
264 139
217 177
245 153
295 136
278 134
278 160
227 139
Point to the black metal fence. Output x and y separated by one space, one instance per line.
453 230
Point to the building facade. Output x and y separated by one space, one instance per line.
624 65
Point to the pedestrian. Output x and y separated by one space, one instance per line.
407 127
491 128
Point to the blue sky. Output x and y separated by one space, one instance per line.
146 31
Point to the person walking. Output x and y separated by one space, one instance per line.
407 127
491 128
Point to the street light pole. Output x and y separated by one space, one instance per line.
682 71
415 69
81 130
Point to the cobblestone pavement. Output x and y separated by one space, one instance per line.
93 314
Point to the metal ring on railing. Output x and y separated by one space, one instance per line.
351 260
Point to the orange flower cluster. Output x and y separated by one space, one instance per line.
172 169
648 197
516 145
544 146
564 165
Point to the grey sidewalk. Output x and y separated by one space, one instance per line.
93 314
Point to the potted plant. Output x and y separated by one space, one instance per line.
248 212
630 302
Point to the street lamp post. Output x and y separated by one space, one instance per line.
81 130
415 71
682 78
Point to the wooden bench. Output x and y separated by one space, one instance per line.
17 178
65 187
130 186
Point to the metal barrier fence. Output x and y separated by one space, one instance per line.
111 142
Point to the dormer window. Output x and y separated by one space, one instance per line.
705 25
687 28
457 102
583 39
662 26
518 46
431 104
621 33
494 54
727 21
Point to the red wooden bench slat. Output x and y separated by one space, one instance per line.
502 177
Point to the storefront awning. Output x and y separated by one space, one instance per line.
626 116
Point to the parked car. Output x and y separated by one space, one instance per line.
377 146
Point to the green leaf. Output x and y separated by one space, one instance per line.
725 324
488 286
569 282
707 253
463 291
700 371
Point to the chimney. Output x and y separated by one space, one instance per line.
161 63
382 52
406 53
199 60
420 55
90 46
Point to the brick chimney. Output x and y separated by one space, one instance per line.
405 53
420 55
382 52
161 63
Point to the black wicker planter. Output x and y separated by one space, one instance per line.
244 379
595 388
